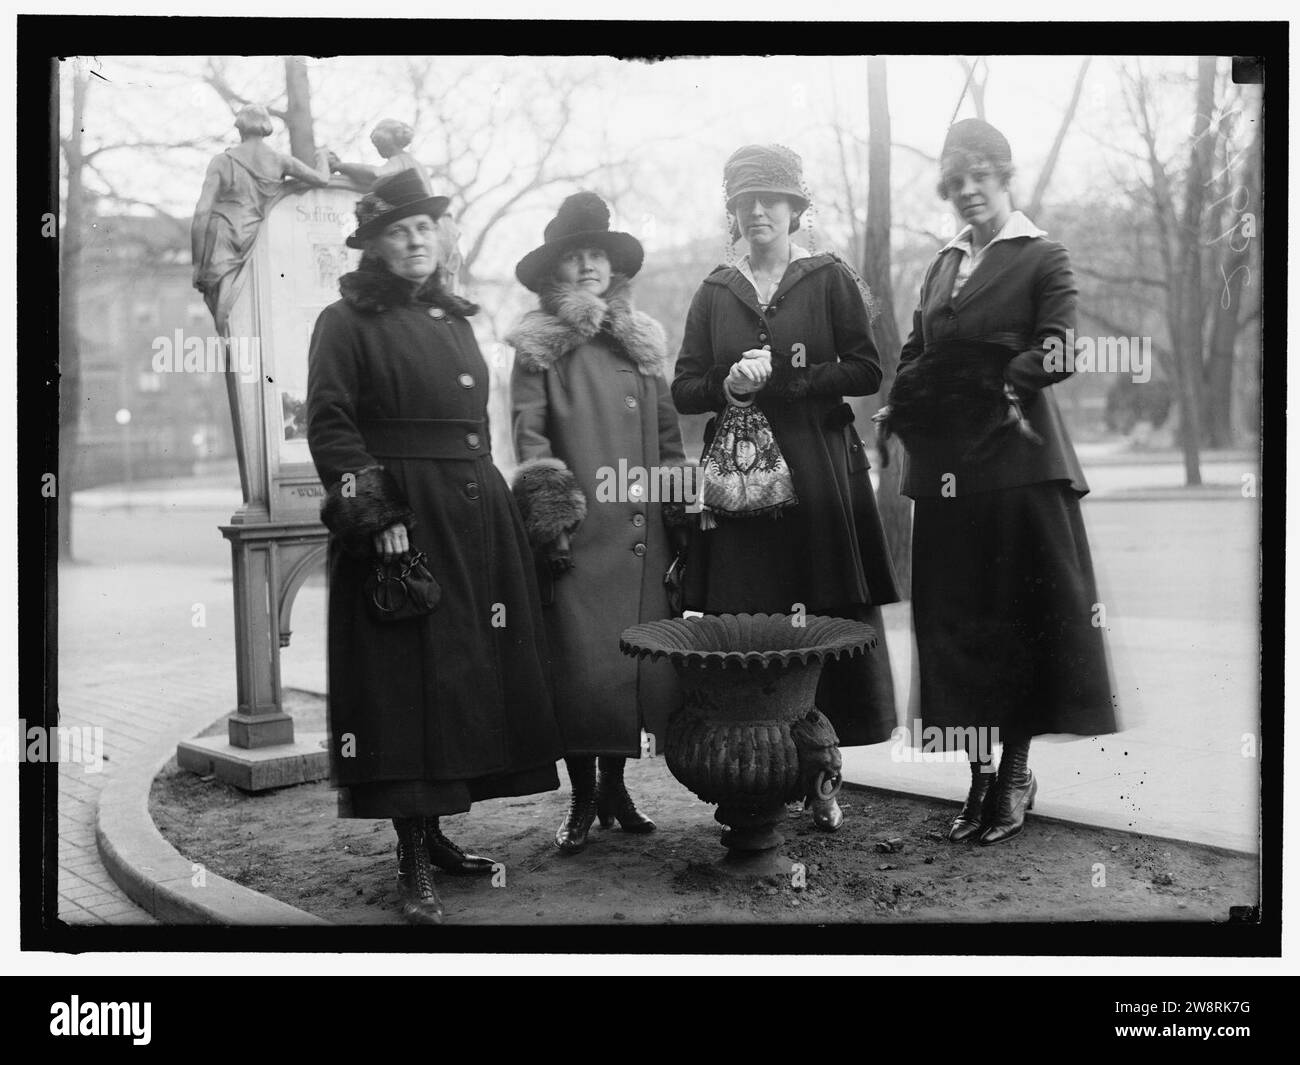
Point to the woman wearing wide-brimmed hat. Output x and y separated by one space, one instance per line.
1003 596
590 398
428 711
790 331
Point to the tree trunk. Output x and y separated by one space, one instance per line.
895 508
302 142
1190 318
1045 175
1233 273
70 399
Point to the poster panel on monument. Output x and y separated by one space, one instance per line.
299 258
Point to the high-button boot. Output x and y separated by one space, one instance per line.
450 858
612 799
979 802
420 902
1016 788
571 836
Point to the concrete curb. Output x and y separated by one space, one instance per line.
155 875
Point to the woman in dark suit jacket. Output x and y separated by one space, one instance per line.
1003 594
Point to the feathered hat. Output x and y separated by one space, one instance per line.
394 198
582 222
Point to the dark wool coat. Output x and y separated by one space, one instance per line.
397 395
828 552
589 393
1021 293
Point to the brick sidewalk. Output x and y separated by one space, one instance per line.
107 617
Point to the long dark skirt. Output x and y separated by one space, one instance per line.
1004 605
857 694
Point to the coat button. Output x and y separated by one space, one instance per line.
638 520
630 401
466 381
437 312
762 336
639 549
634 492
471 489
472 441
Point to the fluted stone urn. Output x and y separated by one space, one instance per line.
748 736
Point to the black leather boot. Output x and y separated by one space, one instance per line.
571 836
979 803
613 801
1015 791
420 902
450 858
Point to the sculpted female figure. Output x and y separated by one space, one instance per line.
238 188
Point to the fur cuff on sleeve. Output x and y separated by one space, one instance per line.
549 499
354 510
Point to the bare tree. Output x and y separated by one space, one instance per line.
537 131
74 222
895 509
302 138
1045 174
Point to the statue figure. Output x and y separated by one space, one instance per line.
239 185
391 138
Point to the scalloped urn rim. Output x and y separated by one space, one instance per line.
829 639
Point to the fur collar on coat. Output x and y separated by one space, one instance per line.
571 315
372 287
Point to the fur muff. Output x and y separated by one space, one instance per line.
571 315
372 287
372 503
953 392
549 499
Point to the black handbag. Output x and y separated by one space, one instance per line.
402 589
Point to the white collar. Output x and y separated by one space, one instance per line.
1016 225
797 252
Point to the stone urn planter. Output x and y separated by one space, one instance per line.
748 736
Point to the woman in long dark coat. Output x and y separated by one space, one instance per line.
592 407
429 714
791 331
1003 595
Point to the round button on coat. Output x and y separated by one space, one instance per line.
472 441
471 489
639 549
638 520
466 381
631 402
437 312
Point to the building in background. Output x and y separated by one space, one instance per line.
137 423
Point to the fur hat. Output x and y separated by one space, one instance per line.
765 168
392 199
582 221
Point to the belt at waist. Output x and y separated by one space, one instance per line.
427 438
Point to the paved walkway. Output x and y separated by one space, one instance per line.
147 654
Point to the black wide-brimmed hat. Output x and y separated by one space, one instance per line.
394 198
582 222
765 168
